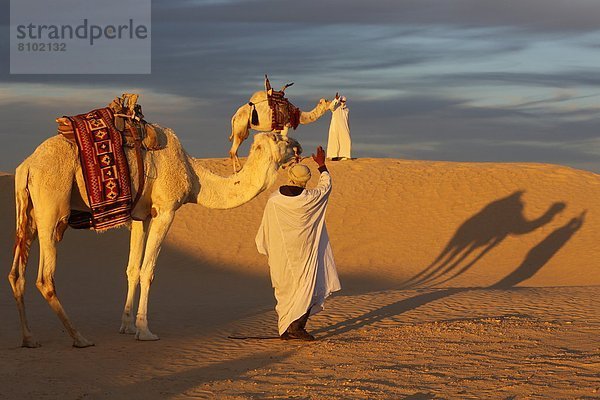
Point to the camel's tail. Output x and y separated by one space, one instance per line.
232 129
24 225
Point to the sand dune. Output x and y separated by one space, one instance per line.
460 280
390 219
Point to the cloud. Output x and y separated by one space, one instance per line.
562 79
416 127
76 97
531 15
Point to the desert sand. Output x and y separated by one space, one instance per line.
460 281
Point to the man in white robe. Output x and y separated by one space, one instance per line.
294 237
339 145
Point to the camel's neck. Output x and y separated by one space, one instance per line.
543 220
306 117
215 191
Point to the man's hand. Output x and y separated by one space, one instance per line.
320 157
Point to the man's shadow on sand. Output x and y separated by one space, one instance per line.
494 214
480 234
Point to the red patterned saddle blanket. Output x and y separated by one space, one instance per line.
282 111
105 171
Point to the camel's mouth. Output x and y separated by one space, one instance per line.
294 149
286 148
296 146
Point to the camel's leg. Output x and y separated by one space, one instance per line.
440 263
159 226
415 279
233 153
136 253
240 129
17 282
494 243
237 165
443 269
45 281
24 236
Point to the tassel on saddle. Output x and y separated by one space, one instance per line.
254 119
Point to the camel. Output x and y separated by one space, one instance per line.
243 120
49 184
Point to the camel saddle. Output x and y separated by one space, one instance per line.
282 110
135 132
129 120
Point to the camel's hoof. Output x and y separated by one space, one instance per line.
128 329
81 343
30 343
146 335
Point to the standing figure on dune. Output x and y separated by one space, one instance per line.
294 237
339 145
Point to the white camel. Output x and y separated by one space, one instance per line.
241 122
49 184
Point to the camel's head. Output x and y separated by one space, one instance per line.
333 104
279 149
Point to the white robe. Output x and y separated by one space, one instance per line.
294 237
339 143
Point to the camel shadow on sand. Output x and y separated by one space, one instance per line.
478 235
486 229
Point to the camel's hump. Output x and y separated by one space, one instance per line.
258 96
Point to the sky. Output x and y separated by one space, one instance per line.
458 80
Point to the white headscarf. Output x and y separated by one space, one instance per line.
299 175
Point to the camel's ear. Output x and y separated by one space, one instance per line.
267 83
337 95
